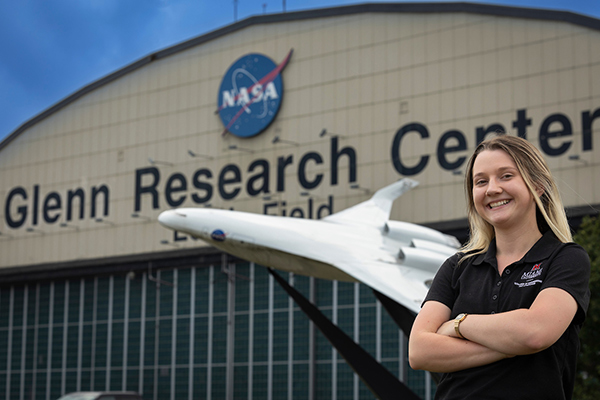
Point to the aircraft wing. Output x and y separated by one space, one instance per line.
401 271
376 210
402 284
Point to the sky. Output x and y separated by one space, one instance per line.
49 49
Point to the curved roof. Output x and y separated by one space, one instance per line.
470 8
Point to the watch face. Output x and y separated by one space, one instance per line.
459 318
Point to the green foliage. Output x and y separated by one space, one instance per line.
587 383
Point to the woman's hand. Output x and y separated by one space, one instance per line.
433 345
447 329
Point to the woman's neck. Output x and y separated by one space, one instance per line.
512 245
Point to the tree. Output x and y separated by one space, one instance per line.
587 381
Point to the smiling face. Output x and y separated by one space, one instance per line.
500 195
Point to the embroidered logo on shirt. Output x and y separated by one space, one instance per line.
529 277
530 283
534 273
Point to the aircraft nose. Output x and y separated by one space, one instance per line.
164 218
170 218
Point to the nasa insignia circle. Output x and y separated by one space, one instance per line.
250 95
218 235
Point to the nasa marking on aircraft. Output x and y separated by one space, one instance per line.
250 94
396 258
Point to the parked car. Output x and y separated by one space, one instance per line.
102 396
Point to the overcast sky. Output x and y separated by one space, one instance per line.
49 49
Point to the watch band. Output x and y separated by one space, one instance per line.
459 318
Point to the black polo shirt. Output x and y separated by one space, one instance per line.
475 287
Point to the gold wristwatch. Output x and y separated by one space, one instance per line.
459 318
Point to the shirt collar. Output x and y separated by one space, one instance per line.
541 250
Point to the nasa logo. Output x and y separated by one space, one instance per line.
250 94
218 235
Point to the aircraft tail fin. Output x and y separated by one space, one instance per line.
384 197
376 210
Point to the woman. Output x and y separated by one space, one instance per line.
502 317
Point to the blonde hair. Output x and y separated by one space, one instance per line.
550 212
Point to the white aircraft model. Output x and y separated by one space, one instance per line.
398 259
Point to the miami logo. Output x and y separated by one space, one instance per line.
250 94
534 273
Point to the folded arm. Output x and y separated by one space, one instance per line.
435 352
522 331
435 346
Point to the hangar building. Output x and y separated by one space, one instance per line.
95 294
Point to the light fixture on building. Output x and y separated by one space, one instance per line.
403 107
576 157
277 139
332 134
312 196
194 154
457 172
65 225
274 196
101 220
235 147
34 230
357 186
136 215
167 243
155 279
156 162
